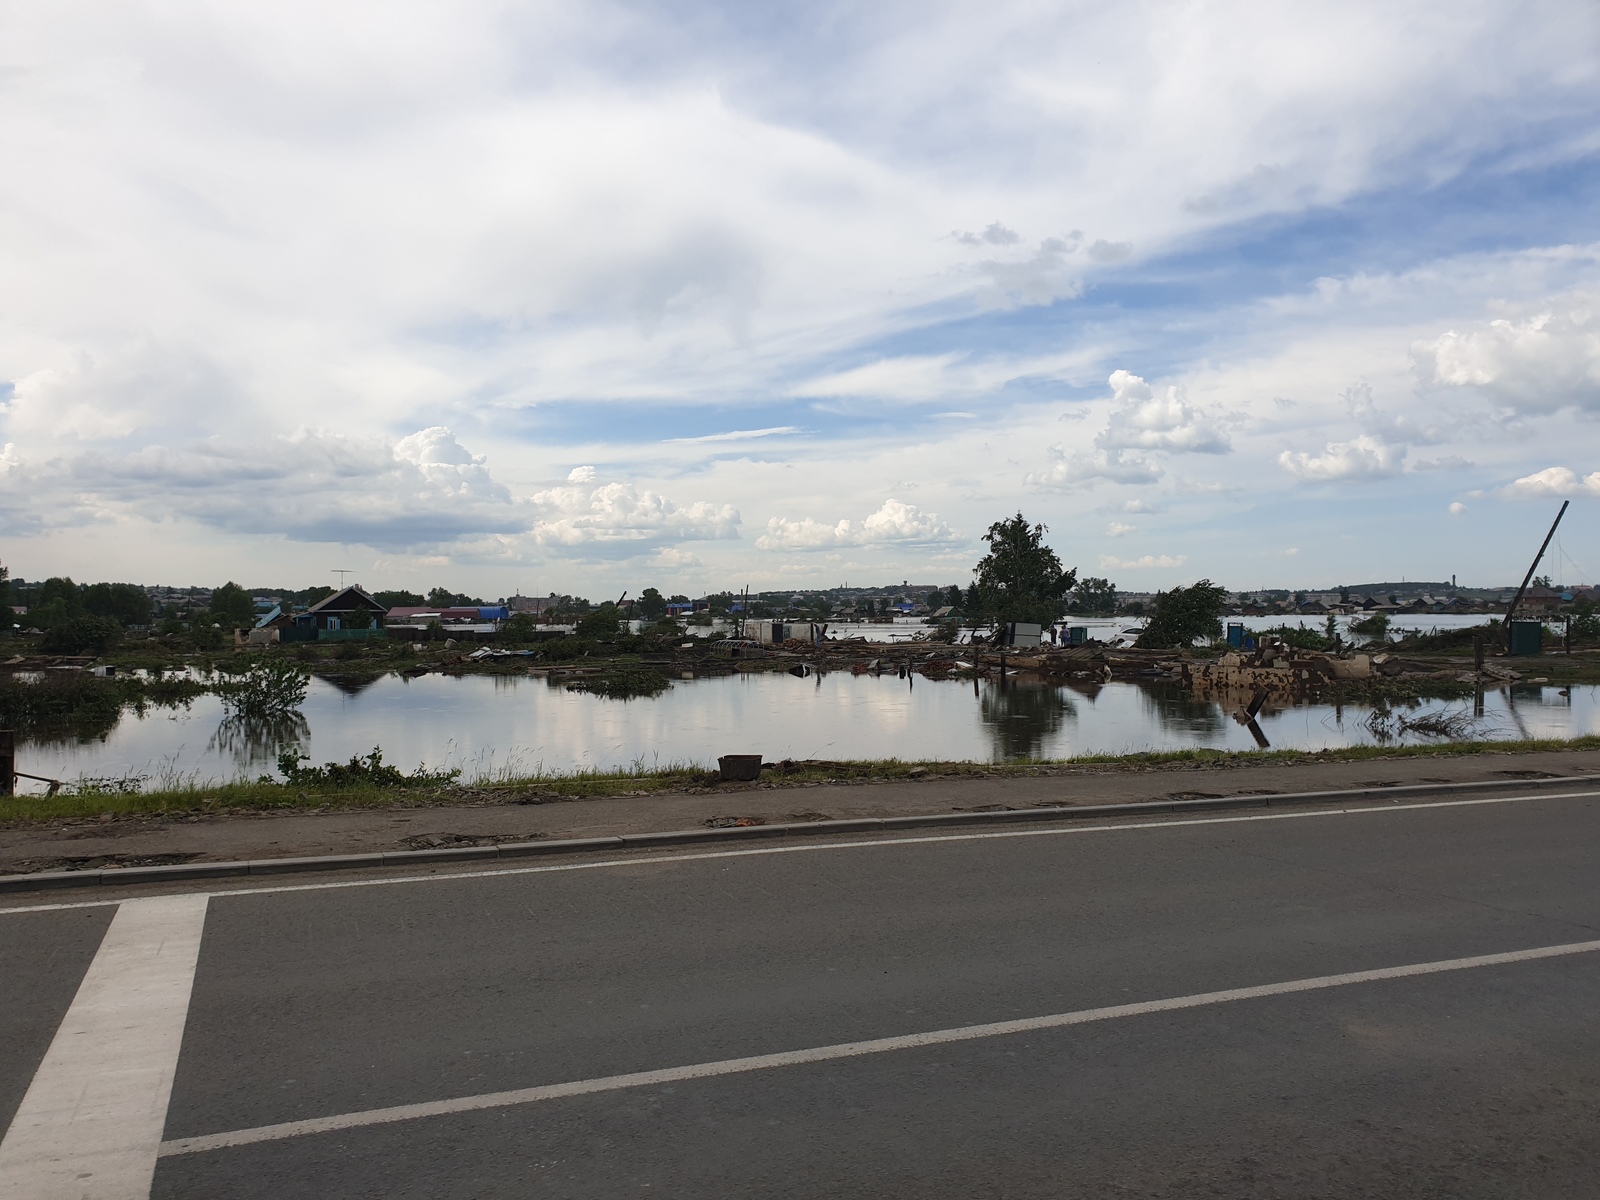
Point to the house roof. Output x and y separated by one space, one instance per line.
347 600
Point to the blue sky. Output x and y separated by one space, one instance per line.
593 296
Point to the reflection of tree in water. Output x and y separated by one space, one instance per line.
1179 711
1020 716
254 740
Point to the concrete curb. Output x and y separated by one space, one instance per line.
115 876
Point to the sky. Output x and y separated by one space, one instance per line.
585 297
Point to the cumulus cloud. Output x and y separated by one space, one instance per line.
1071 469
1117 529
582 475
1457 508
895 524
621 514
425 493
1363 458
1536 363
1144 562
1143 420
1555 481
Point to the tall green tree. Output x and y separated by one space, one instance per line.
126 602
1180 616
652 604
5 599
232 607
1020 579
1093 597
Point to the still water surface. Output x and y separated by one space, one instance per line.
486 725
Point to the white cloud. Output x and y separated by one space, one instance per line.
423 494
740 435
1143 420
620 515
1536 363
1362 458
896 523
1038 279
1144 562
1117 529
994 234
1555 481
582 475
1072 470
1457 508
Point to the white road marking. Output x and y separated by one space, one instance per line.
640 859
91 1122
794 1058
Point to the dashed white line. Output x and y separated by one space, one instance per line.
816 1054
91 1122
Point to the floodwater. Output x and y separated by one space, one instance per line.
489 725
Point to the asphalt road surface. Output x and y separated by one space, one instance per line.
1399 1001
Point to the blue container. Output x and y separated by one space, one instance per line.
1077 635
1236 635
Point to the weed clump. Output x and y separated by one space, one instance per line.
370 771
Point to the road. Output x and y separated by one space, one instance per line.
391 1017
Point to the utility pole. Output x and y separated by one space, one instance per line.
1517 599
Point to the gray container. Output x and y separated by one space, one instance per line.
739 768
1527 637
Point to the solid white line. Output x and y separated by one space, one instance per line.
90 1125
639 859
792 1058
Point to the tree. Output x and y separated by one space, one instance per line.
82 635
5 599
1020 579
398 599
232 607
601 623
953 596
1094 597
444 598
1184 614
126 602
1542 581
651 604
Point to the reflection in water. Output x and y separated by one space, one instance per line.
1020 716
350 685
1177 710
254 740
466 721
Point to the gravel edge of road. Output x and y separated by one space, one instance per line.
180 872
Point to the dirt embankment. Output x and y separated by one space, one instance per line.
513 815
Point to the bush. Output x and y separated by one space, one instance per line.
1374 628
266 688
1184 614
369 771
601 623
1297 637
83 635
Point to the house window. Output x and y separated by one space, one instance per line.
333 622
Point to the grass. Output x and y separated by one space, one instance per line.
508 787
